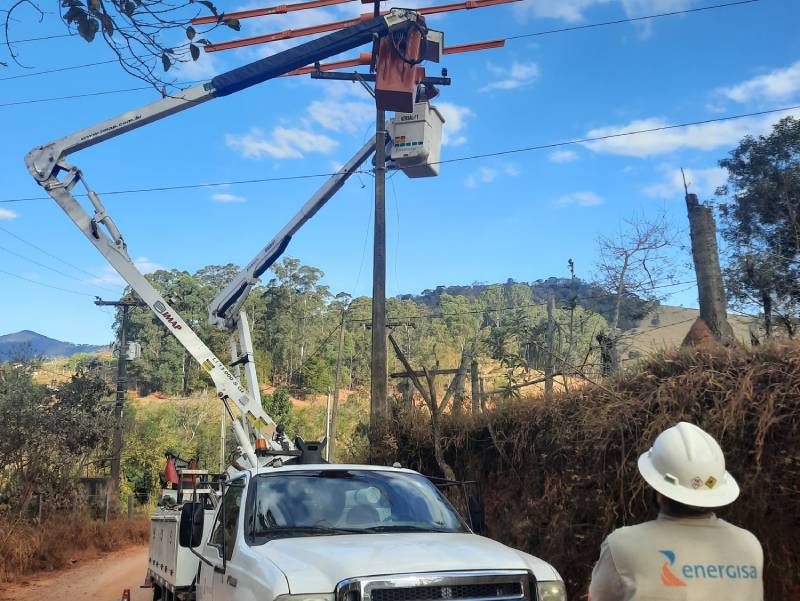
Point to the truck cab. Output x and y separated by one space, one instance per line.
344 533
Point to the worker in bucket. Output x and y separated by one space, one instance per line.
687 553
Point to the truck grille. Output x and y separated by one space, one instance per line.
502 590
501 585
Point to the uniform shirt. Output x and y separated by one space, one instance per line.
679 559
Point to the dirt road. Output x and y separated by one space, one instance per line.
101 579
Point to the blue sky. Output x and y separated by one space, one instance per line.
517 216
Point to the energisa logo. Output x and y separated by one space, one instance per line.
705 571
161 309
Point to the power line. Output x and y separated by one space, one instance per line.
617 135
19 277
58 70
86 95
47 37
192 186
43 251
53 269
630 19
511 38
455 160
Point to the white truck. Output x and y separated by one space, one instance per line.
328 532
283 525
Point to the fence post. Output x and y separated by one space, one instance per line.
40 507
105 513
130 507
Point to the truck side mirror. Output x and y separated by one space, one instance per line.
477 516
190 532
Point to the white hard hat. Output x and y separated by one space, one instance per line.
686 465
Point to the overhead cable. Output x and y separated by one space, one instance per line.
473 157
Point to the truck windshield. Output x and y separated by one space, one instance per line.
327 502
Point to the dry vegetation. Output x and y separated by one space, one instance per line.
557 477
59 541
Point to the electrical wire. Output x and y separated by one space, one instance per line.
508 39
53 269
43 251
193 186
630 19
59 70
454 160
14 275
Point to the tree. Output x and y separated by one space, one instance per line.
47 435
278 405
147 36
633 263
761 224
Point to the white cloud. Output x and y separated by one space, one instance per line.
779 84
563 156
572 11
349 117
701 181
455 121
705 136
283 143
484 175
566 10
581 199
112 278
511 78
225 197
6 214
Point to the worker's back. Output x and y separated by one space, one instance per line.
686 559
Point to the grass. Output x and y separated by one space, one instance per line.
27 548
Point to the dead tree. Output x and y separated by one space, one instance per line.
430 395
635 263
710 288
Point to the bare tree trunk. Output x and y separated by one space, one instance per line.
710 287
549 360
620 291
766 303
476 392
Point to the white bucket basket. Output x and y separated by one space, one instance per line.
417 140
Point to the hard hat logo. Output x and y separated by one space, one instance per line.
697 482
711 481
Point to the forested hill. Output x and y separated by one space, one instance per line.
295 319
566 291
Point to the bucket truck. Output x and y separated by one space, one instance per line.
281 524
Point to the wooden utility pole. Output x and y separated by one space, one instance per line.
122 389
379 388
549 367
710 287
336 386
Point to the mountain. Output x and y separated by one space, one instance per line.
30 344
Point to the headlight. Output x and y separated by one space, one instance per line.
551 590
308 597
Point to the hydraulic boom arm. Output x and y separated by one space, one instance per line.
223 312
48 166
